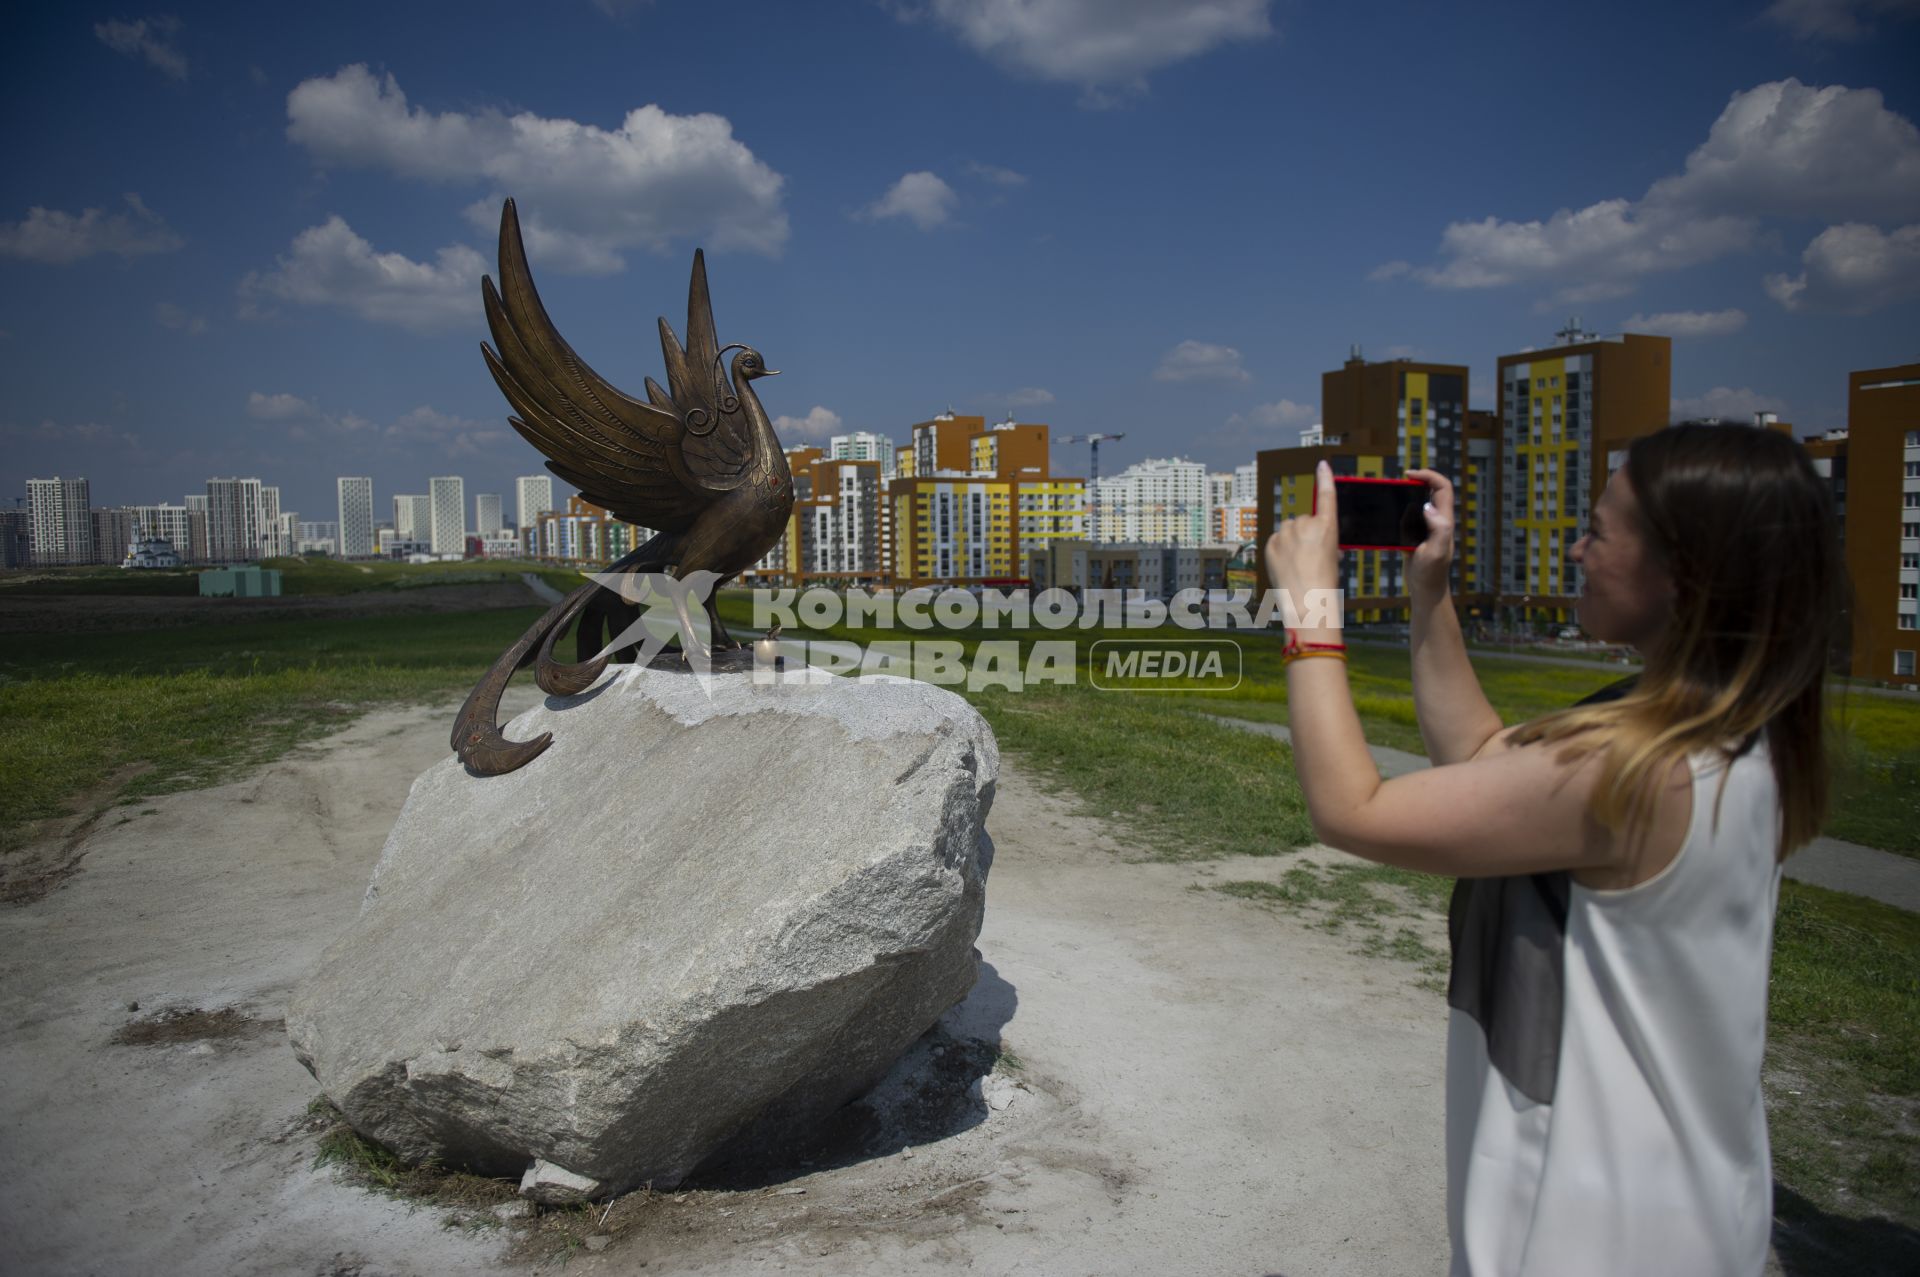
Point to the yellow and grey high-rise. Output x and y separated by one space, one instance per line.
1567 414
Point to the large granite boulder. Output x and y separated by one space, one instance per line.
711 913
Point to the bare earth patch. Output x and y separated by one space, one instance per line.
1152 1075
179 1025
37 858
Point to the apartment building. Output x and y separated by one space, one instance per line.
1880 478
1152 570
864 445
355 500
1379 420
60 522
586 534
447 512
413 517
1567 413
1161 500
839 523
486 514
16 539
273 528
533 497
114 530
236 520
970 494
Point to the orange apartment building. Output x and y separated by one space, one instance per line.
1876 469
968 496
1378 421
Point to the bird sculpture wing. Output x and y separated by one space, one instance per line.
639 460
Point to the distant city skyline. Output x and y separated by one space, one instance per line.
251 239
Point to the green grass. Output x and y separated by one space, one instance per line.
362 1162
105 718
1334 897
1877 764
335 576
1844 1052
126 715
298 576
1188 788
99 581
422 640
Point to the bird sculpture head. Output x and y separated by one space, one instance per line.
748 364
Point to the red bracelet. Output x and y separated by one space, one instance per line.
1295 647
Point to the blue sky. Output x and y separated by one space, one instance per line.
248 238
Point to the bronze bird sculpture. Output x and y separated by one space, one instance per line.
698 462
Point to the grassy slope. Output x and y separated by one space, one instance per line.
124 715
1844 1048
302 576
1877 760
189 704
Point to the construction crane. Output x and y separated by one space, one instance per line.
1093 478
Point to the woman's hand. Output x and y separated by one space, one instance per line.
1431 564
1303 554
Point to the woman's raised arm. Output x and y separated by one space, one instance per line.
1456 719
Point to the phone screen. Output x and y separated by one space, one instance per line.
1376 514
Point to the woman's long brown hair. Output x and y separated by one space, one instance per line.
1746 530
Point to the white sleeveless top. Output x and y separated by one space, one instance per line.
1652 1158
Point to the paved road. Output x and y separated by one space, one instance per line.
1824 862
1619 669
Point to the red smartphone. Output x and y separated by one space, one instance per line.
1379 514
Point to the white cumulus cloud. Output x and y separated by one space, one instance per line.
1726 403
1593 252
1853 269
1201 361
1279 414
1793 149
147 39
168 315
55 237
281 407
585 193
996 175
330 265
450 435
818 425
922 198
1028 397
1782 149
1688 323
1100 45
1836 19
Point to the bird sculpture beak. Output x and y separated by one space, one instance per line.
769 372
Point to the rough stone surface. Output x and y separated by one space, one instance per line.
553 1185
706 917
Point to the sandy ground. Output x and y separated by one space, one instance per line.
1204 1086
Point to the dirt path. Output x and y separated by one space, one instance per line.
1203 1086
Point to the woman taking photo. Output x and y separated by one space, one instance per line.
1619 861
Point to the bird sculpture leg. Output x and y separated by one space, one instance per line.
558 679
690 641
722 639
605 617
